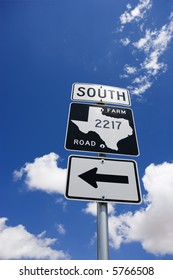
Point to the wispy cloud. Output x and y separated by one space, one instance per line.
17 243
137 13
152 45
130 69
60 229
62 202
125 41
43 174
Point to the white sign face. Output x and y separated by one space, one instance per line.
100 93
103 179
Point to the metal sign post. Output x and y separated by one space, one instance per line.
102 228
102 231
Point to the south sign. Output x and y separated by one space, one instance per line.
100 94
101 129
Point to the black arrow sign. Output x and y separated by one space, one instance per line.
92 177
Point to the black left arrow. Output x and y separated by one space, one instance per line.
92 177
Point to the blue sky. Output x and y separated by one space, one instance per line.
45 47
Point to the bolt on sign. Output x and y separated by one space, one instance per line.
101 129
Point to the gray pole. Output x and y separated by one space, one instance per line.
102 229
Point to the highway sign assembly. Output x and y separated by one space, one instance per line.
100 93
104 129
103 179
101 129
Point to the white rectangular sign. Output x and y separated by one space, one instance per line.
100 93
103 179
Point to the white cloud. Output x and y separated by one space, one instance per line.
125 41
62 203
145 43
129 6
92 208
153 45
140 88
137 13
93 239
129 69
143 83
17 243
61 229
152 65
44 174
152 225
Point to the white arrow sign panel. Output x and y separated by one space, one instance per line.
103 179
